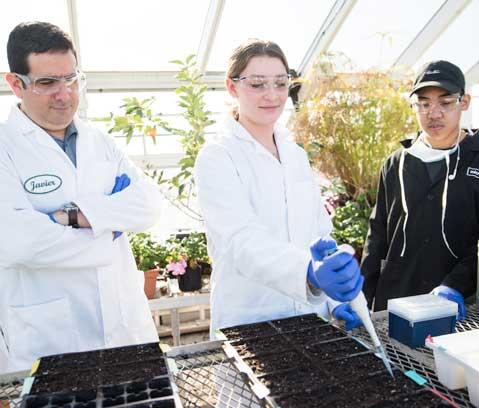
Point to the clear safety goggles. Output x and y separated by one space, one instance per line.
50 85
443 105
259 83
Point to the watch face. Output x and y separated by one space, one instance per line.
69 207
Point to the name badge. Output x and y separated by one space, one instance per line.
42 184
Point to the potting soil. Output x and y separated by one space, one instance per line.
135 376
305 362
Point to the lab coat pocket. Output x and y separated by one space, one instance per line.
99 178
40 330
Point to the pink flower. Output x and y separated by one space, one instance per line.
177 268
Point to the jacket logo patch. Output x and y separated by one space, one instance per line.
42 184
472 172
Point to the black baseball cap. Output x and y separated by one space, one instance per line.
442 74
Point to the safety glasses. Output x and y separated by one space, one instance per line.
444 105
260 83
50 85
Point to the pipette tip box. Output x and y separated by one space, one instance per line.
413 318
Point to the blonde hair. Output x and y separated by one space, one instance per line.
245 52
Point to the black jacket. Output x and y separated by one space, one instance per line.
427 262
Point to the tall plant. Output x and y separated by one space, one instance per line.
138 117
349 123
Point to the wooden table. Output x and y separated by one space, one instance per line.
176 302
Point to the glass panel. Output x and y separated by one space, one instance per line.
377 31
292 24
52 11
140 35
458 43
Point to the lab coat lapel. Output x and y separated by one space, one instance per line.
33 132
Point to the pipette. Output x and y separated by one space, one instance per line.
360 306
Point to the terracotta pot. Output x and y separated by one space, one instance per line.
150 282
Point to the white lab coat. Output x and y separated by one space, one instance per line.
261 216
65 289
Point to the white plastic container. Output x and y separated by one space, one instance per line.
413 318
451 353
471 366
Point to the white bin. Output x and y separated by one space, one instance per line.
451 352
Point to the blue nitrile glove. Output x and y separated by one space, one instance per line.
50 215
455 296
322 247
338 274
121 183
350 317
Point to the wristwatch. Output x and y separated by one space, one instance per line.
72 213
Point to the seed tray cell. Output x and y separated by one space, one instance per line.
261 345
342 367
66 362
122 355
277 362
297 322
249 330
316 334
327 350
141 371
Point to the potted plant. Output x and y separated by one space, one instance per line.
187 258
150 256
197 251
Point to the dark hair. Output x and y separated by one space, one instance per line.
253 48
35 38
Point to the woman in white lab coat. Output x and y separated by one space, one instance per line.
261 205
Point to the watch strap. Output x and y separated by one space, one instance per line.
73 217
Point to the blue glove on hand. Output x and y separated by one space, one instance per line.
338 274
350 317
455 296
121 183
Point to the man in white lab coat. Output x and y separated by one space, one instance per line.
68 280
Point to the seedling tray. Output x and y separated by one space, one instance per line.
130 376
304 362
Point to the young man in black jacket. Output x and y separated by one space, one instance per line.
424 229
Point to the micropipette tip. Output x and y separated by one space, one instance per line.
382 354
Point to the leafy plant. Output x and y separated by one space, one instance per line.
349 123
195 248
139 117
148 253
351 221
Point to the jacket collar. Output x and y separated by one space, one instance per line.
18 121
21 122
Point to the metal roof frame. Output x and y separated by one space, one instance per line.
326 33
210 28
438 23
